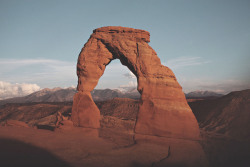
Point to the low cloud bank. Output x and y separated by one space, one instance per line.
131 84
129 75
9 90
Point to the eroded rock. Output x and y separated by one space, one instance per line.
16 123
163 110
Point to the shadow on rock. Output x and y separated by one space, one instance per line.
226 152
16 153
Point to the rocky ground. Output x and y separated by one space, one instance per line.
22 146
29 137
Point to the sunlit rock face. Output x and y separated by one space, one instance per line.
163 109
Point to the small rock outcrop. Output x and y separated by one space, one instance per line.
16 123
163 109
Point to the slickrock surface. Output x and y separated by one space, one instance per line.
163 109
82 147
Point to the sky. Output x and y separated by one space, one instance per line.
205 43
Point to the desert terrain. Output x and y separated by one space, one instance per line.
31 136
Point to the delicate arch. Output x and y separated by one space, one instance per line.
163 110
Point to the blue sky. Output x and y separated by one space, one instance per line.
205 43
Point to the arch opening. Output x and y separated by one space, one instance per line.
117 102
117 97
117 77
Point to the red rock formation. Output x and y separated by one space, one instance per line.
163 110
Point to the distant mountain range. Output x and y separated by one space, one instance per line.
65 95
202 95
107 94
44 95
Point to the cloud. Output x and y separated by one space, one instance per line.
115 75
129 75
23 62
181 62
131 84
45 72
53 73
9 90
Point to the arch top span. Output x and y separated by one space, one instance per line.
163 110
124 31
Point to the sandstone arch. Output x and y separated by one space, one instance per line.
163 110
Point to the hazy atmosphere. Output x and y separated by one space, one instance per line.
205 43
